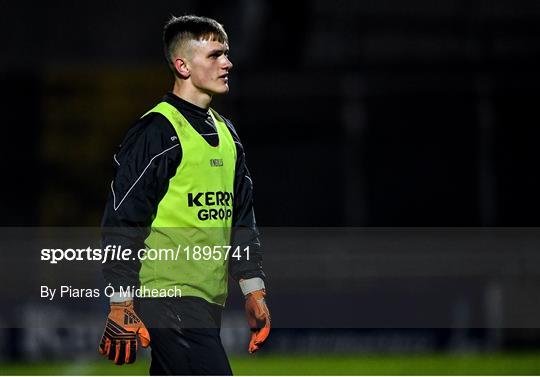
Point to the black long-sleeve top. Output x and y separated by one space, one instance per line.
145 162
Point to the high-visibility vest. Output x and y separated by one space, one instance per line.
187 246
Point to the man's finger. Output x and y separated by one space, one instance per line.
112 350
262 334
107 347
101 347
144 337
120 358
131 351
253 347
258 338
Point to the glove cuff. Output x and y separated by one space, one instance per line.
117 297
250 285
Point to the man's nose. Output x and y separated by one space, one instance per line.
228 63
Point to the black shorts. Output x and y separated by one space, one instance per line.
184 336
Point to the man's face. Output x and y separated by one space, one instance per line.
209 66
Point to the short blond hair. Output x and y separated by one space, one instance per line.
180 30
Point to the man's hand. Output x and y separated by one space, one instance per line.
258 317
119 340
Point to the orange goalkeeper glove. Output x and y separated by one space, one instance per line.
258 318
119 340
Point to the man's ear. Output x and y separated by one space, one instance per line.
181 68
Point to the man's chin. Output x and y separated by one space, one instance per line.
223 90
218 91
222 87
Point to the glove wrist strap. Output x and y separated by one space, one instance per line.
250 285
118 298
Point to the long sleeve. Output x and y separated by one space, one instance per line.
146 160
245 232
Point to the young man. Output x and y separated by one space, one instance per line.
182 184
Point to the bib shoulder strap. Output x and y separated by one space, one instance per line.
164 108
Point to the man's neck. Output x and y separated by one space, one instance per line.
192 95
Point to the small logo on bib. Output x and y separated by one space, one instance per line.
216 162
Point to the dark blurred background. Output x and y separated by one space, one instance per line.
392 113
370 113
